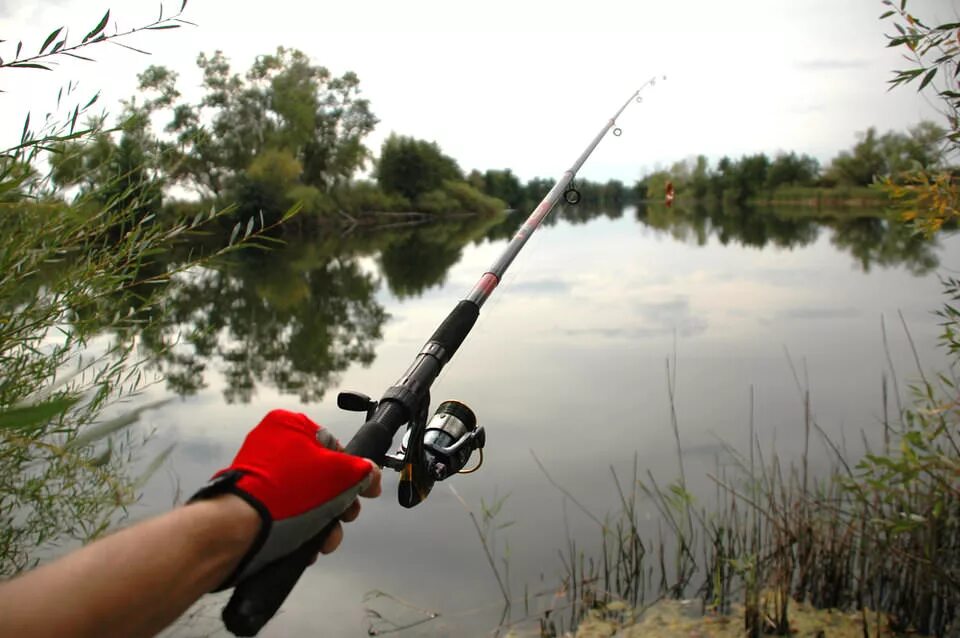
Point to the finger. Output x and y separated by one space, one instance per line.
328 440
333 539
351 513
373 488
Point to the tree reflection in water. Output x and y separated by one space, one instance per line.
294 318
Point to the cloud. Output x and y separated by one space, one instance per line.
542 287
812 314
654 319
819 313
832 65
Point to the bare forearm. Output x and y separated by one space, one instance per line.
134 582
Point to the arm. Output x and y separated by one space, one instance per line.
134 582
137 581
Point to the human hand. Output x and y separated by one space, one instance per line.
295 475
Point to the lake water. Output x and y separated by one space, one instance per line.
568 360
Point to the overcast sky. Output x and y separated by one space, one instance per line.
525 84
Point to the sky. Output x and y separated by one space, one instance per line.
526 84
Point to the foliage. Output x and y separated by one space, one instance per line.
68 267
283 103
928 195
458 197
887 156
754 178
57 43
412 167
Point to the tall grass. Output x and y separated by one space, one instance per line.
878 536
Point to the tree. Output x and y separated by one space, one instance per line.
503 184
789 169
284 103
412 167
927 196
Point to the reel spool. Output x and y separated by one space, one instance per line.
428 452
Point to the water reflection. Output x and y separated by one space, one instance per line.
294 318
870 236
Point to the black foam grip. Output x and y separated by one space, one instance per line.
257 598
456 327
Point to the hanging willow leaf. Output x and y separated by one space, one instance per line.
78 56
100 26
106 428
27 65
151 469
33 417
50 38
104 457
928 78
183 5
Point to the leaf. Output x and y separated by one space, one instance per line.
903 4
127 46
26 129
928 78
78 56
19 46
33 417
163 26
59 45
27 65
249 228
887 15
50 38
233 234
151 469
103 458
100 26
95 97
106 428
183 5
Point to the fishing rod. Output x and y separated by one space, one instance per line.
429 452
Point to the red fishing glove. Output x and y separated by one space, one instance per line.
290 471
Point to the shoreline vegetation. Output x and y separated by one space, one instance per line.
870 547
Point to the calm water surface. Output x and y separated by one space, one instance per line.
568 361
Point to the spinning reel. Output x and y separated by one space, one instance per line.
429 451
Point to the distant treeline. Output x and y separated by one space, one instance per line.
288 134
793 178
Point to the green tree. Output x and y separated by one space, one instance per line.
504 185
284 103
412 167
927 195
790 169
859 166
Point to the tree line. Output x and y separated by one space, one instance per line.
757 176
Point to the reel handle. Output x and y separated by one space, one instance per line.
255 600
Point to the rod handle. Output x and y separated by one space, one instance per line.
256 599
